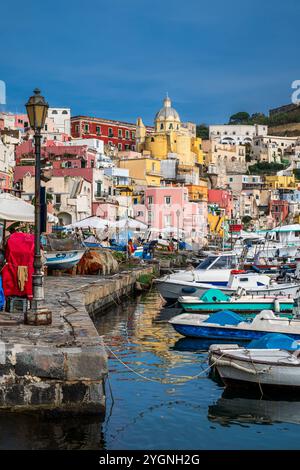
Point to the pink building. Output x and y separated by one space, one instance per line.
222 198
168 209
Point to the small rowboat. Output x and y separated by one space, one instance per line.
215 300
263 369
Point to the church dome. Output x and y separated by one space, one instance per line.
167 113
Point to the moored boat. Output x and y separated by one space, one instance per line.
229 325
252 284
269 364
215 300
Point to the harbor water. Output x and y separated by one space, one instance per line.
168 402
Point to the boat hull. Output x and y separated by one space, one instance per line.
272 372
216 332
63 260
253 307
172 290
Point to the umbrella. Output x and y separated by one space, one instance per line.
14 209
130 224
92 222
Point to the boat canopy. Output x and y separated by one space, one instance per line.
214 295
275 341
225 317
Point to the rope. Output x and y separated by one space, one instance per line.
164 381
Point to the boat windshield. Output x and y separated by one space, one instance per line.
207 262
218 262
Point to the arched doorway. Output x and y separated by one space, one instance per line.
64 218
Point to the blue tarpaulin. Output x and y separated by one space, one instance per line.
225 317
2 298
274 341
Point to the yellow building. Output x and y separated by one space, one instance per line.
197 192
170 137
280 182
143 169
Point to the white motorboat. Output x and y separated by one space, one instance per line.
264 369
216 269
171 288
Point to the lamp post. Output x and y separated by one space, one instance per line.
38 314
178 215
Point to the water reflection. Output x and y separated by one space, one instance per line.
37 431
246 408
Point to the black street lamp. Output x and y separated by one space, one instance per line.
38 314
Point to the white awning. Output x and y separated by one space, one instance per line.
91 222
14 209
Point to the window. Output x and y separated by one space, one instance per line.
77 128
86 128
110 132
133 135
226 262
150 199
149 217
64 111
110 142
120 133
152 139
161 126
133 147
98 130
57 198
168 200
247 133
170 126
127 135
54 111
46 127
127 147
140 213
92 163
153 166
230 179
167 220
119 146
98 188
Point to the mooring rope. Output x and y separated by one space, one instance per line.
164 381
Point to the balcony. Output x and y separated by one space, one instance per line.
154 173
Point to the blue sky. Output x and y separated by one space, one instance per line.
116 58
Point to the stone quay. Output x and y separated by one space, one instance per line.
61 367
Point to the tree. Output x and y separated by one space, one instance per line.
202 131
239 118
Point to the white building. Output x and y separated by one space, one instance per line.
61 118
236 134
271 148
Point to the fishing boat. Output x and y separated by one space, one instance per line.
215 300
229 325
271 363
63 259
250 283
61 253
